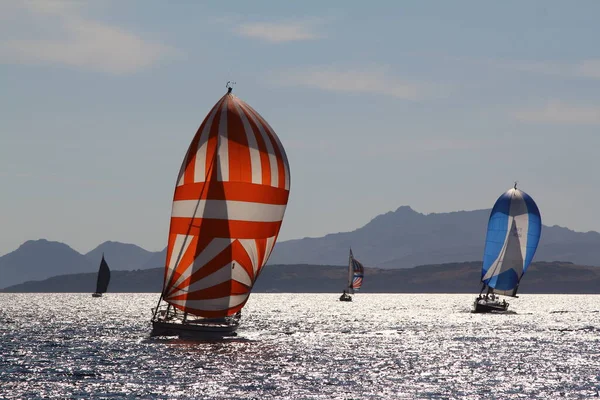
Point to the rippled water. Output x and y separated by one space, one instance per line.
304 346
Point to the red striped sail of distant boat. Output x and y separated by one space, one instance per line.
229 201
357 272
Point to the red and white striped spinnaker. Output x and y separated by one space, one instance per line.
356 273
228 206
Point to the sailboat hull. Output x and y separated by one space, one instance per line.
193 330
345 297
488 306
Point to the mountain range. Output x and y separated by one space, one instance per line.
406 238
542 277
400 239
41 259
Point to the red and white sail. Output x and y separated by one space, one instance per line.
228 206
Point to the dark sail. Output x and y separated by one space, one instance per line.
103 277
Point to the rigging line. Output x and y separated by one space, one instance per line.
348 283
206 183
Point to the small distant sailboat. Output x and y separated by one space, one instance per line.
513 234
228 206
103 278
356 273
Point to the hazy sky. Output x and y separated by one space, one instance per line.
436 105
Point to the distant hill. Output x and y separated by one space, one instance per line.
542 277
143 280
122 256
400 239
157 260
405 238
40 259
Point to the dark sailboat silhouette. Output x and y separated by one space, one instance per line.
103 278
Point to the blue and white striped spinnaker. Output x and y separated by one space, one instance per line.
513 234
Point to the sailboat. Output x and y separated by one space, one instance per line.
229 202
513 234
103 278
356 273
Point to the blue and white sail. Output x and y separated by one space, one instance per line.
513 234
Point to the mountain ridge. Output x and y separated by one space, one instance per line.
123 256
42 258
405 238
463 277
53 258
401 238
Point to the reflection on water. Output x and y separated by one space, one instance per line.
305 346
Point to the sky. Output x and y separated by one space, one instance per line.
436 105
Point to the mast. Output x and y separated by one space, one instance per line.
482 288
350 272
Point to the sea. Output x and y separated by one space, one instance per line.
304 346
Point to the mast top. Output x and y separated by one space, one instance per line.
229 86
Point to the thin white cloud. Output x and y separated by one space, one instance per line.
556 112
57 33
589 69
424 146
581 69
389 147
279 32
373 80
